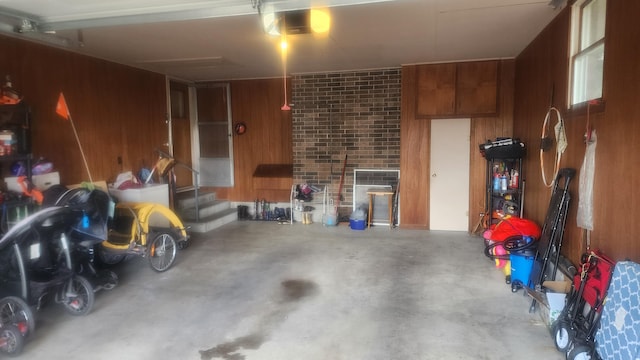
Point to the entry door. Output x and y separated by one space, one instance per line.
180 134
214 135
449 185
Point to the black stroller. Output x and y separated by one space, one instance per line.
86 236
36 266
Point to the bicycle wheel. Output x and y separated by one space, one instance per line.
162 250
77 296
15 311
11 340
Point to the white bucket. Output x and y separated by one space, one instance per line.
330 219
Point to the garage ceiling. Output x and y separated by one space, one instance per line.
224 39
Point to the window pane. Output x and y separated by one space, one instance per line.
587 84
214 140
593 21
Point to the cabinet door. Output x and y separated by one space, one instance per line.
436 90
477 88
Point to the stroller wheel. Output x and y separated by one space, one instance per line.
563 335
15 311
11 340
77 296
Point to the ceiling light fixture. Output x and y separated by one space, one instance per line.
320 20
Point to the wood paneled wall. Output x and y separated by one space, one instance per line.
415 147
542 70
118 111
414 155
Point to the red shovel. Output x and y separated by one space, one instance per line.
344 166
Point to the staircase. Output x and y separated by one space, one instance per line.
213 213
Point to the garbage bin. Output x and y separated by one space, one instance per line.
521 265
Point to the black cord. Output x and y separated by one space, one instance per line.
512 244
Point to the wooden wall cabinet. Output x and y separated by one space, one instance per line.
457 89
477 88
436 90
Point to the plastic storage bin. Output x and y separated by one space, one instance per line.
154 193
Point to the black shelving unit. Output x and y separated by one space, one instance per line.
15 145
504 179
17 119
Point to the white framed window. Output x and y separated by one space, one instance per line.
587 50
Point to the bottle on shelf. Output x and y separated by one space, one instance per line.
514 179
503 181
496 181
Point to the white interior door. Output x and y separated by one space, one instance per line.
449 189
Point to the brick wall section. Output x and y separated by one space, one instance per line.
347 113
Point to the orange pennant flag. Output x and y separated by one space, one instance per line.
61 107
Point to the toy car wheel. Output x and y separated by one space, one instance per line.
162 250
15 311
77 296
11 340
563 335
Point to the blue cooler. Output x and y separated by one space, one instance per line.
357 224
521 265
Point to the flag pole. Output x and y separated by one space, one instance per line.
63 110
80 146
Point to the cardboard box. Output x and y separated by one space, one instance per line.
556 295
559 286
556 305
153 193
41 182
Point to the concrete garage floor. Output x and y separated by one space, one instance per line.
263 291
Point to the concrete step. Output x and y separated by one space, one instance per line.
212 222
205 209
212 213
185 200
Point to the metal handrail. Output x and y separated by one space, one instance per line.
195 179
195 184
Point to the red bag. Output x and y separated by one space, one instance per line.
512 226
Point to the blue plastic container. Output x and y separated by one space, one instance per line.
355 224
521 265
